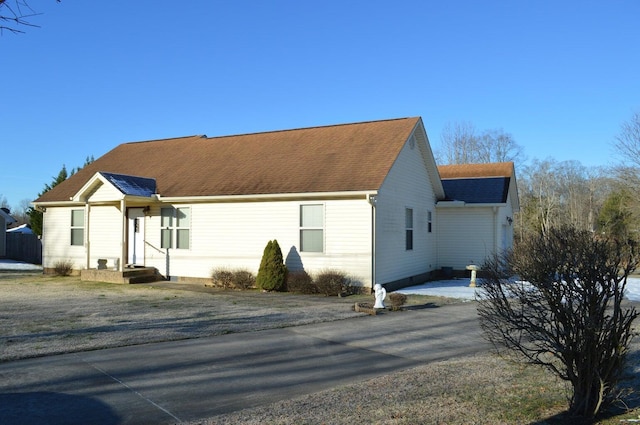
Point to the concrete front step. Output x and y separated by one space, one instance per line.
127 276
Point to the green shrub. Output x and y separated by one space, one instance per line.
232 279
63 268
272 273
332 283
301 282
397 300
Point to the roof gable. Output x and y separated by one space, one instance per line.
339 158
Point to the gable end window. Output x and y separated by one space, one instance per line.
408 218
175 227
77 227
311 228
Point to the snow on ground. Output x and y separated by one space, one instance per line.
459 288
13 265
455 288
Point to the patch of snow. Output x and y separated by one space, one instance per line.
459 288
13 265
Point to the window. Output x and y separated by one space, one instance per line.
311 228
77 227
429 221
175 224
408 218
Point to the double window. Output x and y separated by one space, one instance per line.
175 225
77 227
312 228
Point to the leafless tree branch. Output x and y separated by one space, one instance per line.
16 14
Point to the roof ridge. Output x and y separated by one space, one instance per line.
311 128
200 136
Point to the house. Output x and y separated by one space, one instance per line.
5 221
361 198
476 218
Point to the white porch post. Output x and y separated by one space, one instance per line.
123 237
88 235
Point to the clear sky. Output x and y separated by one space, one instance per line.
560 76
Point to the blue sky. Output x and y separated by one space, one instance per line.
560 76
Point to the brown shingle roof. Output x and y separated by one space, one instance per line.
458 171
348 157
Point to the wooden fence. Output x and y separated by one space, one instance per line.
24 247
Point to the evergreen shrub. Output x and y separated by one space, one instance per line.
272 273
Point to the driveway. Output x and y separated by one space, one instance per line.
171 382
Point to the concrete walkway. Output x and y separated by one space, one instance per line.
167 383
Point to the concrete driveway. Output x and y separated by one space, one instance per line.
166 383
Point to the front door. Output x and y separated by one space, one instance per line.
135 238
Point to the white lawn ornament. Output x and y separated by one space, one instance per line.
381 294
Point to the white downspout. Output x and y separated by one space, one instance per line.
496 230
372 201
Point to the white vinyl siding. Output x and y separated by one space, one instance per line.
105 233
466 235
56 245
407 184
104 192
217 240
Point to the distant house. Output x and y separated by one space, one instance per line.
362 198
476 218
5 221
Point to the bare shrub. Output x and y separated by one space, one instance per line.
332 283
233 279
63 268
301 282
565 312
243 279
397 300
222 278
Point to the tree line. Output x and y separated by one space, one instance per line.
559 193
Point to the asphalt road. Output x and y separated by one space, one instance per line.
166 383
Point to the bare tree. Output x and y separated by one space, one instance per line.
462 144
560 193
627 142
16 14
459 143
565 312
499 146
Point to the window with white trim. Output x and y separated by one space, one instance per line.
312 228
429 221
77 227
175 227
408 219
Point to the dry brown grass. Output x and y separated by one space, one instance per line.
45 315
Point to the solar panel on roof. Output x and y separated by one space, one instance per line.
493 190
132 185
